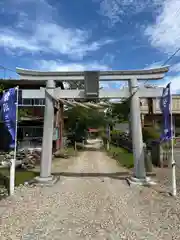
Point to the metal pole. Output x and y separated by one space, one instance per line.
174 126
46 157
108 137
57 130
136 131
130 125
61 125
13 161
173 163
108 146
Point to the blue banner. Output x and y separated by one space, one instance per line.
8 103
165 105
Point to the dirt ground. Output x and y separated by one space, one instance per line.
92 200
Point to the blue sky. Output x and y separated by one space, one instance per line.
90 34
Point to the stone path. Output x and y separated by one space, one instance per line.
91 201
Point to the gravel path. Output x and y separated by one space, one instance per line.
89 202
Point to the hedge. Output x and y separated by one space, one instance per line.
150 133
122 156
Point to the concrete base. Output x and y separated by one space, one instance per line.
150 174
141 182
44 179
49 181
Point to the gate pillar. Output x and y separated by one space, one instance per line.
46 155
136 131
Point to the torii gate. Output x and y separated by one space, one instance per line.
91 91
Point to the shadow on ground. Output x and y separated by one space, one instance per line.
115 175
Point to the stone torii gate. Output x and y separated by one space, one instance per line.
91 91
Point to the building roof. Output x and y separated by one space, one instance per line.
31 84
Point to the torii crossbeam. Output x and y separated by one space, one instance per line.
93 77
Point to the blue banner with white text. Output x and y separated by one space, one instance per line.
165 108
8 104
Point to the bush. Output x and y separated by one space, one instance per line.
122 156
150 133
103 136
116 132
20 177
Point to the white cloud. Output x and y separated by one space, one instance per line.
175 67
175 84
104 85
115 10
23 12
164 34
43 35
11 40
154 65
108 57
52 38
61 66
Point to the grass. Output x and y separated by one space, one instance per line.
122 156
66 152
70 151
21 176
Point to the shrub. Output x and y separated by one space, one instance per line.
116 132
150 133
104 137
122 156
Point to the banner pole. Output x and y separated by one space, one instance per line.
13 161
173 164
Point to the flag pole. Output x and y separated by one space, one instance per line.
13 161
173 163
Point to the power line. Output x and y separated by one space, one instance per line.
148 79
171 56
5 68
165 62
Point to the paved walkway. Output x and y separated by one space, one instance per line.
91 201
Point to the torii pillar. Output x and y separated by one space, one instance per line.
136 131
47 144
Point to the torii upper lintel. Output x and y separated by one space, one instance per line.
119 75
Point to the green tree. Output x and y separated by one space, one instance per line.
85 118
1 88
24 112
119 111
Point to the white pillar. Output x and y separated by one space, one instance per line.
136 131
46 156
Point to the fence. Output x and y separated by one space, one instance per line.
30 143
